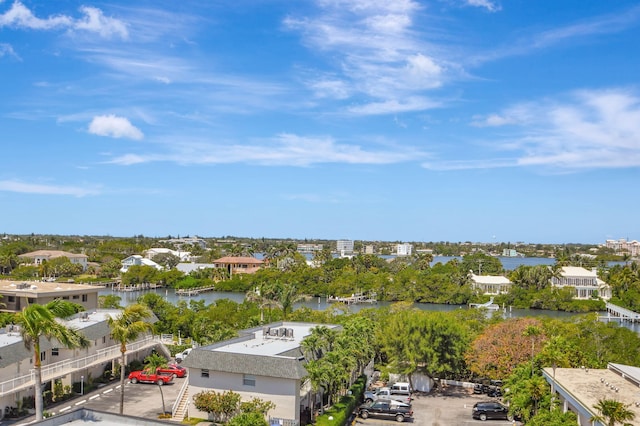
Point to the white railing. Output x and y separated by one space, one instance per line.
62 368
176 404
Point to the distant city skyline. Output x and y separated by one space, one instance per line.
408 120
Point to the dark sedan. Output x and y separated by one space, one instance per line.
490 410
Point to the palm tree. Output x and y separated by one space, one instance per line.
532 331
155 361
124 329
612 412
37 321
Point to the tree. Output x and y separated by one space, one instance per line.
532 332
221 406
612 412
126 328
155 361
433 342
38 321
499 349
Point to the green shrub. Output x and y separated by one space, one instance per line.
339 413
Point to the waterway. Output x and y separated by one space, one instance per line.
320 303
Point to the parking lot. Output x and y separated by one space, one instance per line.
452 407
141 400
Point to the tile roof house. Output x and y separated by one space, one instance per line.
263 362
239 264
585 282
38 257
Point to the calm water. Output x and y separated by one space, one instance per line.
509 263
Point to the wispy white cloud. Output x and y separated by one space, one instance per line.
115 127
93 21
283 150
491 6
41 189
603 24
7 49
376 53
587 129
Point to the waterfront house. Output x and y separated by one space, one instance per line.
263 362
138 260
585 282
490 284
239 264
39 257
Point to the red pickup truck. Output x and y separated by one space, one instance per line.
146 377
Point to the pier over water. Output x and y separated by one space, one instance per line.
624 314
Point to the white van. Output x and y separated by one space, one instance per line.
400 388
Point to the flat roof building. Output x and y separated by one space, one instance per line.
263 362
18 294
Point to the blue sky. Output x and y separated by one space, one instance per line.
404 120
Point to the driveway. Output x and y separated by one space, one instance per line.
451 407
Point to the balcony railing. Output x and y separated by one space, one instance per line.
62 368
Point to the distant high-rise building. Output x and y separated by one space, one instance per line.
404 249
344 246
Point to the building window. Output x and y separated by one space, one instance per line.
11 299
75 296
104 339
54 351
248 380
43 356
65 297
31 300
204 373
84 298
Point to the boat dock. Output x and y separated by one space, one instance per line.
193 291
355 298
623 314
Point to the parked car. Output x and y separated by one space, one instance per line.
494 392
146 377
175 369
490 410
182 355
400 388
386 409
386 393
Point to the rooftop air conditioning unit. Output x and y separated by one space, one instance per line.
265 331
290 333
282 331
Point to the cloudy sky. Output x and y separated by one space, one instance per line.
404 120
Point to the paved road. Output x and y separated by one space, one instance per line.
140 400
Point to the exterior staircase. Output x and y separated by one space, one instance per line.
180 407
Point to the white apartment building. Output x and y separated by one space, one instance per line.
17 376
404 249
309 248
264 362
344 246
